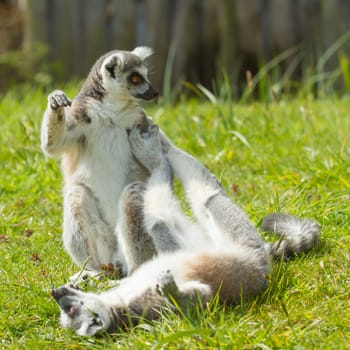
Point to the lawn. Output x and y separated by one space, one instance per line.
291 155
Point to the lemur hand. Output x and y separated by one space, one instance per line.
58 99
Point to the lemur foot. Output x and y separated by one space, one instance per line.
164 141
58 99
146 146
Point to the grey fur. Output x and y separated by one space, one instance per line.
93 85
130 62
297 235
219 253
132 227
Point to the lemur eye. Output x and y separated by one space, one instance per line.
95 318
96 322
135 78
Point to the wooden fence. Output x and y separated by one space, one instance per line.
195 35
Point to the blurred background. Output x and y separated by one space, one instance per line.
250 45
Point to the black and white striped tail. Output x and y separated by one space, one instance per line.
297 235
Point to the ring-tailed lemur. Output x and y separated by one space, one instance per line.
219 253
90 133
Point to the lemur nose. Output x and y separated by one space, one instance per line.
59 292
56 293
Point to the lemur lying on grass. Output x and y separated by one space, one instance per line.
219 253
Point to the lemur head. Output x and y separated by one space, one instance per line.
120 75
83 312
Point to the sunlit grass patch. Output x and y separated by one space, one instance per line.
291 156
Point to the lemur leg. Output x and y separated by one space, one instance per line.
59 129
135 243
87 236
214 211
164 219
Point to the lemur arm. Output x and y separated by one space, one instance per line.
58 129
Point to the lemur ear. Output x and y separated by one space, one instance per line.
142 51
111 66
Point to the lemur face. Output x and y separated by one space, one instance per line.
124 74
82 312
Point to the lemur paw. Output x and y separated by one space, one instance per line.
146 146
58 99
166 285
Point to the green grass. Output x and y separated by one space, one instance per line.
291 156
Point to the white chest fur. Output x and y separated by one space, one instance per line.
103 165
